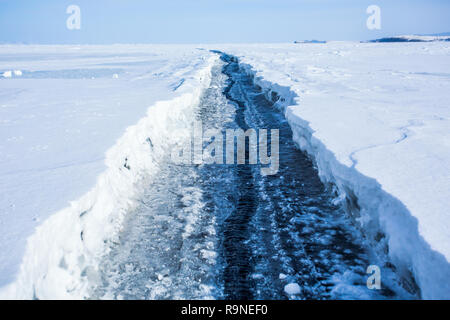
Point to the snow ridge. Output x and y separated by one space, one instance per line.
62 256
386 221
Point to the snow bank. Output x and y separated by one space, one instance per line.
62 253
375 118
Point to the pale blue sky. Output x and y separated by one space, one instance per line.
213 21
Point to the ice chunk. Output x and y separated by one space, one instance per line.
292 288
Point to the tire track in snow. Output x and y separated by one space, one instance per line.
226 231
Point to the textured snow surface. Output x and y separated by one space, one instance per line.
74 119
376 118
58 116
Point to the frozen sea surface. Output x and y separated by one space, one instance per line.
86 130
376 119
226 231
60 116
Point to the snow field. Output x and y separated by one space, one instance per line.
375 119
61 256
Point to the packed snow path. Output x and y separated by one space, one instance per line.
226 231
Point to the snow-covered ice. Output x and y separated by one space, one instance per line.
56 123
376 119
